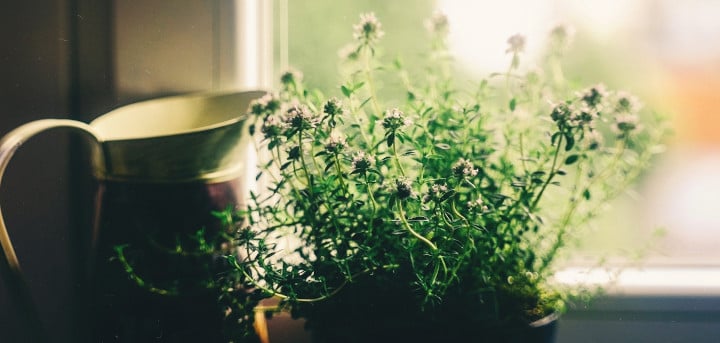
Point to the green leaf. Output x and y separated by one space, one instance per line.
346 91
410 96
447 195
357 86
571 159
513 103
570 142
390 139
365 102
554 138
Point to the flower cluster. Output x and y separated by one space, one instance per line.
299 117
594 96
625 124
464 169
267 104
361 163
335 144
333 107
402 188
395 119
581 114
437 24
369 30
291 77
272 127
435 192
516 44
477 205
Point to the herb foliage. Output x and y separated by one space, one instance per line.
452 188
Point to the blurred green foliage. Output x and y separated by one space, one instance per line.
318 29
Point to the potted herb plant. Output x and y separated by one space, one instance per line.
434 212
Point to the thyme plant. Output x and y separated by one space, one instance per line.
452 188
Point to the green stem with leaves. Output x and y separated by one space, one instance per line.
551 175
573 205
424 240
397 159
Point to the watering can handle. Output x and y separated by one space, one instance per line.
10 270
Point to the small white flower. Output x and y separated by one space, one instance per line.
562 36
464 168
627 103
291 76
626 124
395 119
335 143
438 23
477 204
402 187
333 106
361 162
267 104
435 192
517 44
594 95
369 29
272 127
561 113
583 115
299 117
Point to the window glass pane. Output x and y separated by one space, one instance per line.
665 51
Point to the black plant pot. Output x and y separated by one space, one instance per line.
386 330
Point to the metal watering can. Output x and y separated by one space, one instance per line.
162 167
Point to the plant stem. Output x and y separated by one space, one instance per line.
340 174
371 196
553 171
120 250
421 238
304 164
369 78
397 159
522 153
407 226
282 296
354 112
573 205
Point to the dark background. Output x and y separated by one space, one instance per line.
58 59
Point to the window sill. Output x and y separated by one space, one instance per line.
654 304
651 281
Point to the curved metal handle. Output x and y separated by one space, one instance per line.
10 270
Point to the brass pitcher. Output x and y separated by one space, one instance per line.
162 167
